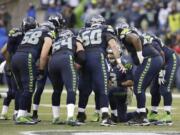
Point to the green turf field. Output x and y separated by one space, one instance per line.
9 128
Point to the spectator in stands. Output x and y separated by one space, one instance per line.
69 16
6 17
163 17
120 12
108 11
149 14
135 15
52 10
31 11
92 9
174 18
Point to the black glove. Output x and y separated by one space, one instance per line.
40 74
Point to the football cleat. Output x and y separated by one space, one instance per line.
114 118
153 117
165 120
139 120
107 122
24 120
4 117
95 117
56 121
81 118
72 122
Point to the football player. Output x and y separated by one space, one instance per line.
24 60
163 83
59 23
62 71
119 83
14 39
146 57
95 40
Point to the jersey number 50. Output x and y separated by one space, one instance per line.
92 37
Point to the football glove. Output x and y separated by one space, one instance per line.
161 79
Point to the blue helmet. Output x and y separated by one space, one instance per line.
28 23
120 26
58 20
97 20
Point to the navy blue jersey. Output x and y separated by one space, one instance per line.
167 51
33 41
64 41
96 37
14 39
116 76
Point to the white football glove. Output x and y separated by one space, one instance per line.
2 66
161 79
140 57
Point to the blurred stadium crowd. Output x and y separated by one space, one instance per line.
161 17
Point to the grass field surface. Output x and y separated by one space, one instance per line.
45 127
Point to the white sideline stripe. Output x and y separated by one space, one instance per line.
93 132
93 106
175 95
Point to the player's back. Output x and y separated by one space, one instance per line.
95 38
33 41
65 41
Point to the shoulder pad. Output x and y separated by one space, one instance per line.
14 32
52 34
124 32
110 29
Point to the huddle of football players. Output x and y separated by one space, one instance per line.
109 61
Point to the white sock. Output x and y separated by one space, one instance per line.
82 110
97 111
21 113
154 108
167 108
70 110
4 109
35 107
137 110
142 109
114 112
104 110
55 111
4 95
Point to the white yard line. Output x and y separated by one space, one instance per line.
91 132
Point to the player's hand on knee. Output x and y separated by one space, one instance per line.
121 67
40 74
140 57
161 79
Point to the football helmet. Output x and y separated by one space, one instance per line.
28 23
120 26
97 20
58 20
